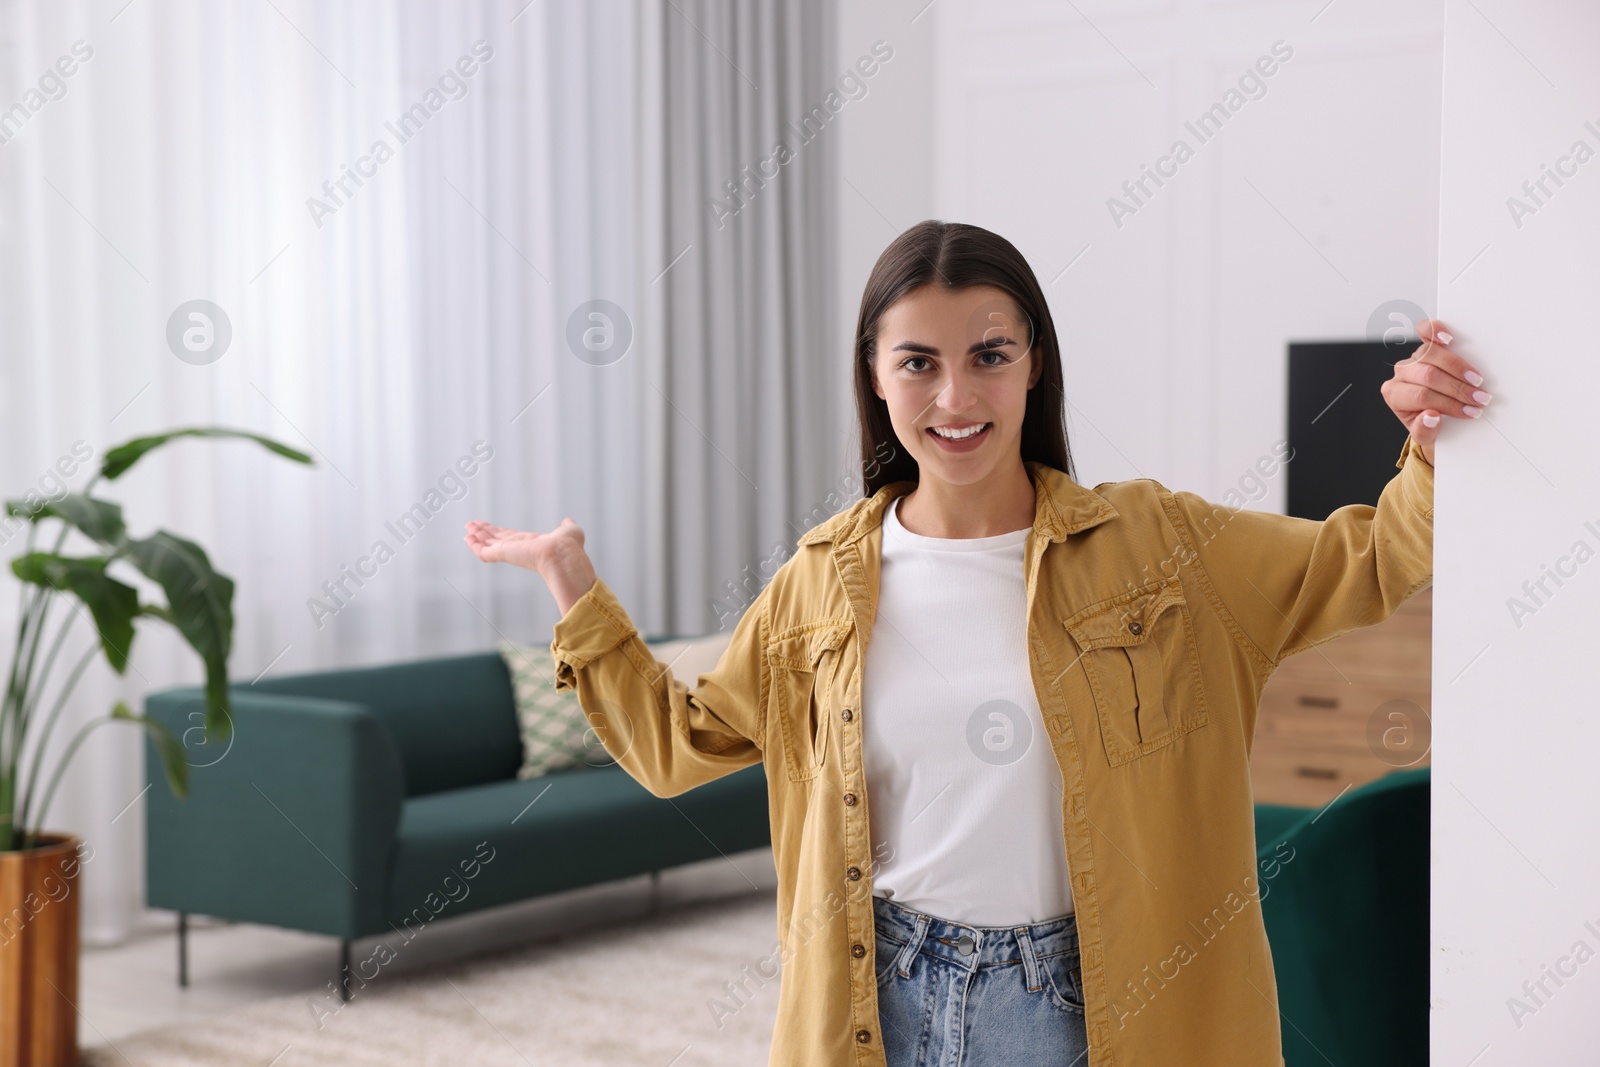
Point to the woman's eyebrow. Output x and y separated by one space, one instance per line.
978 346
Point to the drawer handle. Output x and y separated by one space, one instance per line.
1319 702
1316 772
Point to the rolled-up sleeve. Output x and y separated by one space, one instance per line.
667 735
1283 584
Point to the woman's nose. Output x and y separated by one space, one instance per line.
957 394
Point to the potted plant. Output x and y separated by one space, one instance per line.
39 869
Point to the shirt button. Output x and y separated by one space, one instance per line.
846 715
854 873
850 799
863 1036
1135 627
858 950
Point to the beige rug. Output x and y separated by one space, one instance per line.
696 985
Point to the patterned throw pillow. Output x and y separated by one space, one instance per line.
552 724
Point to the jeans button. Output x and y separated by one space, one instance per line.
965 945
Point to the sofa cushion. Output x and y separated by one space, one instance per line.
551 724
555 733
524 837
690 657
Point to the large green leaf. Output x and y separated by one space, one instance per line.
99 519
112 603
170 748
201 605
160 611
119 459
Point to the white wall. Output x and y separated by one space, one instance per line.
1313 205
1516 875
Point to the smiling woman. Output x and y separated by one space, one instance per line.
989 671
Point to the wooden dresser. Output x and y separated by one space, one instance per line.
1348 711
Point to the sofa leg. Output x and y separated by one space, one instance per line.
344 969
183 950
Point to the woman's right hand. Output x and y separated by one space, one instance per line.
557 556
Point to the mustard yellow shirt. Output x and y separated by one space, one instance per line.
1154 619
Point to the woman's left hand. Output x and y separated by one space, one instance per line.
1430 381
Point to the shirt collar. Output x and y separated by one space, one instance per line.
1061 507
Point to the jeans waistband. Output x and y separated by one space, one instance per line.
983 945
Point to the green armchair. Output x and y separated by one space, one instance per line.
1347 917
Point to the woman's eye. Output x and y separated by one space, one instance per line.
905 364
1000 358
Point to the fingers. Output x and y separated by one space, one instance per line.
1423 386
1424 431
1435 350
1442 374
480 533
1433 330
487 530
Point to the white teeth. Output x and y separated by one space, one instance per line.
956 435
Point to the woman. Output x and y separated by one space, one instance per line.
1044 696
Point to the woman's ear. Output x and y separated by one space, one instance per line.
1035 366
872 372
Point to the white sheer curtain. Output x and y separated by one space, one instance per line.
538 157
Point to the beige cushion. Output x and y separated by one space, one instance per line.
690 657
552 725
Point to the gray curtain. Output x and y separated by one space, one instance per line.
746 448
628 156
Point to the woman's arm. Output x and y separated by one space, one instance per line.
668 736
1285 583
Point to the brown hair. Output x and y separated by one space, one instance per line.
956 256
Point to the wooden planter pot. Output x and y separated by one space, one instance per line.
39 954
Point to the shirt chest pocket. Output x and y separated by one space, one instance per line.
1138 653
802 665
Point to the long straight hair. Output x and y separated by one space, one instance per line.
955 255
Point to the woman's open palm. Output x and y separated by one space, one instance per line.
498 544
558 556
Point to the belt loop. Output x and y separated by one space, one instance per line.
913 943
1030 959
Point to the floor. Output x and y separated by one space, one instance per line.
133 986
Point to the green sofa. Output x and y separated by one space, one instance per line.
356 802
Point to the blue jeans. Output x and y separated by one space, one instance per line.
953 995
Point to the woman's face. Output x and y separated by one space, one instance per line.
955 370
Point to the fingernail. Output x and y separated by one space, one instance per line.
1482 397
1472 411
1444 336
1430 421
1473 377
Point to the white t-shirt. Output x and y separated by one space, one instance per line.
964 793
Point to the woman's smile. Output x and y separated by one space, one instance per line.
961 437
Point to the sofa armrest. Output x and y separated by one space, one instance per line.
290 822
